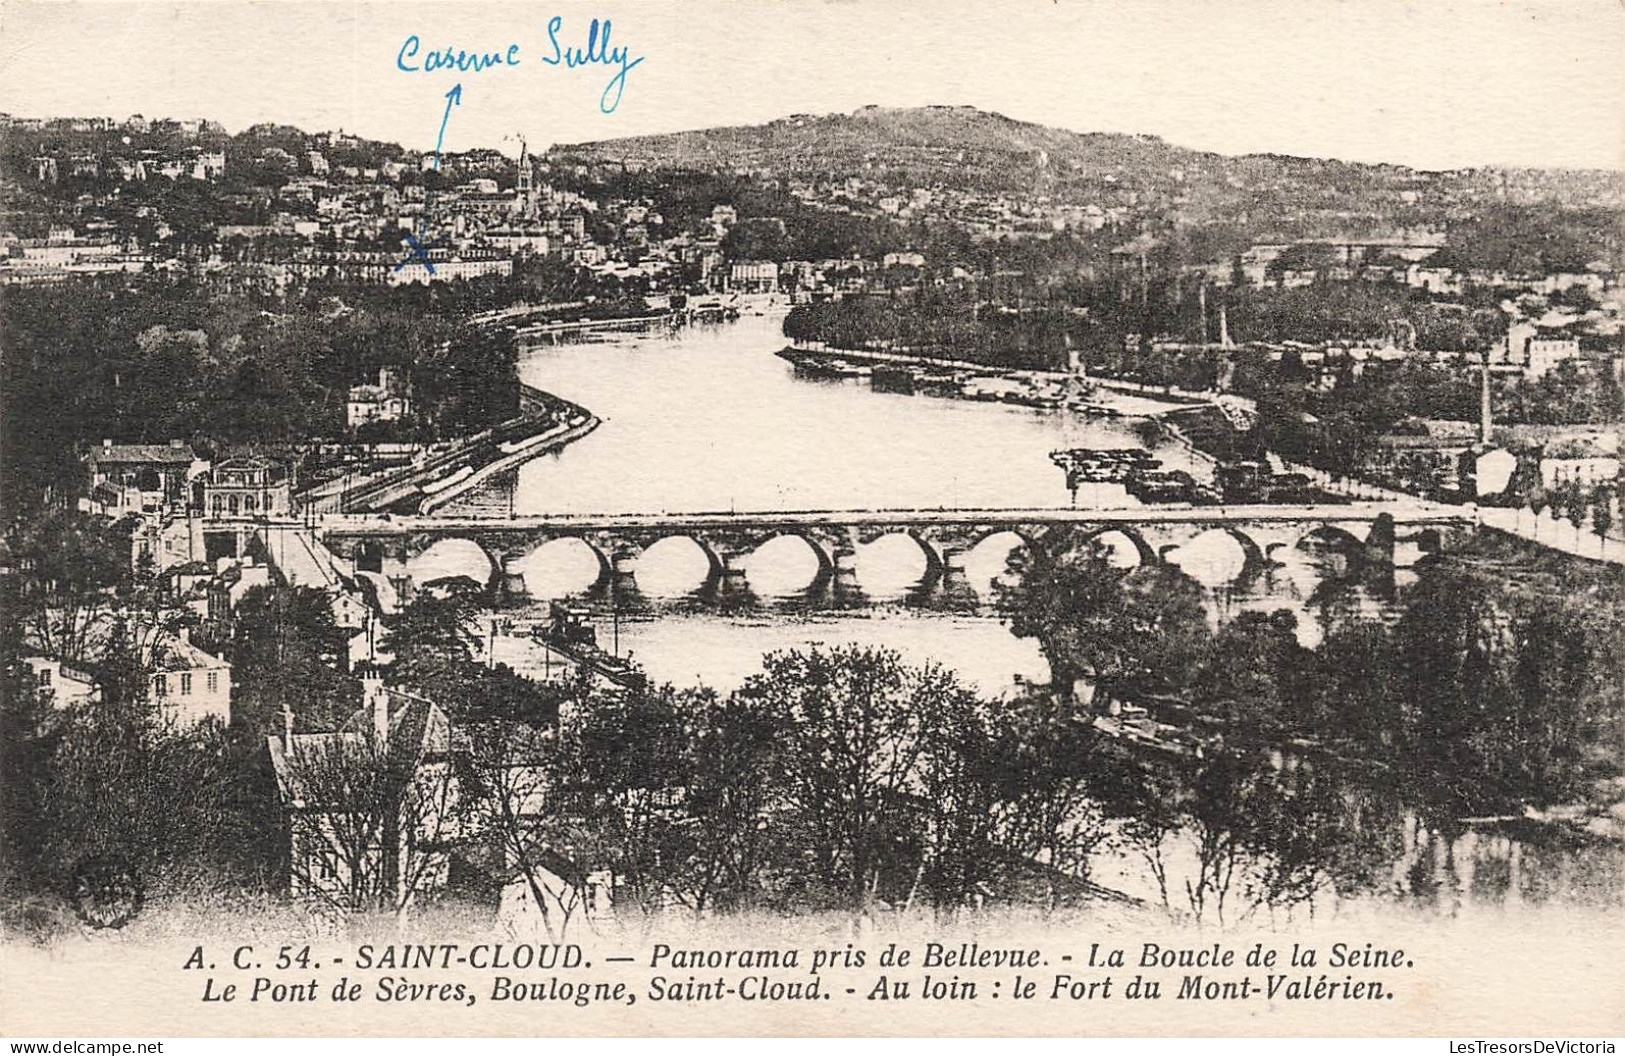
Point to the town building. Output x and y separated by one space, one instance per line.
1585 462
63 684
140 478
563 890
531 240
226 588
439 266
186 684
1547 349
1421 460
754 276
1538 349
572 228
389 400
370 810
246 486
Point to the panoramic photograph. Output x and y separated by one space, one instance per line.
640 505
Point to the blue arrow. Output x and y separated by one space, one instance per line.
453 98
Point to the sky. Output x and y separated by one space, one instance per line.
1430 83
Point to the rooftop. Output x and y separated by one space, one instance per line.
167 651
176 452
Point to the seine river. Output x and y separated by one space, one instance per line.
707 418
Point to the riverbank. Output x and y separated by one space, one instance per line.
509 455
957 378
699 311
545 423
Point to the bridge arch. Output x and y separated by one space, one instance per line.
563 565
1204 557
986 561
1335 534
1122 540
893 563
676 564
1024 533
783 563
822 549
452 558
933 551
567 537
369 555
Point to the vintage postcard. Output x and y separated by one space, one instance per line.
1039 517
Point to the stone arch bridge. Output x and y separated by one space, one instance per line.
1394 533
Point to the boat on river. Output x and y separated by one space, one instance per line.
1168 486
891 378
1045 397
819 366
1084 465
568 633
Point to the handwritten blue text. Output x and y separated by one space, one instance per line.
596 51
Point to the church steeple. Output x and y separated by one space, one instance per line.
527 189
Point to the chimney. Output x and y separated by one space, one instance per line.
184 634
1224 327
1485 420
1201 294
107 444
376 699
287 729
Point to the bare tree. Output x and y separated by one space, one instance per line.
623 774
370 821
73 565
1051 811
517 768
730 798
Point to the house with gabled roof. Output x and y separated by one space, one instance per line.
185 683
371 810
140 478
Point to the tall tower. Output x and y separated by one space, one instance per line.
527 189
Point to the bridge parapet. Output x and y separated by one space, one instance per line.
1383 531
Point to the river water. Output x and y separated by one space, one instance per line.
707 418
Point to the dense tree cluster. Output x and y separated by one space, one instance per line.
1159 335
946 324
839 779
108 777
152 361
1483 699
1522 239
